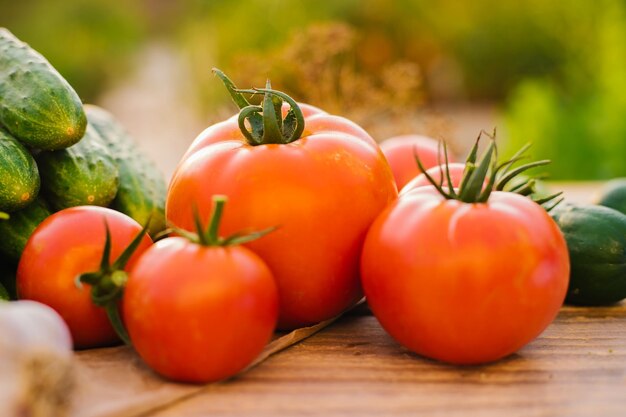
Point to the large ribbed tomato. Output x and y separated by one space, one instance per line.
463 281
321 181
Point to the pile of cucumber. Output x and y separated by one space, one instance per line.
56 153
596 240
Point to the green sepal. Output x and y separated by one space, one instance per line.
474 186
113 313
473 189
107 284
241 238
209 235
255 120
267 125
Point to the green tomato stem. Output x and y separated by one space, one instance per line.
113 313
266 122
107 283
218 209
210 236
483 176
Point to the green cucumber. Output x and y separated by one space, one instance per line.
19 176
142 188
17 229
613 195
83 174
37 105
596 239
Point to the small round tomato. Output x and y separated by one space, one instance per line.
400 153
199 312
64 246
464 282
321 182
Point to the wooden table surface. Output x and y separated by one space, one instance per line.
577 367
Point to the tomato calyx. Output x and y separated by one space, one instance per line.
209 236
107 283
498 176
267 125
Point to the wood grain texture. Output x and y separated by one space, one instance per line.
114 382
576 368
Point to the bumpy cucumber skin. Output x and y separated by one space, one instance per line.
83 174
19 175
142 190
37 105
596 239
16 231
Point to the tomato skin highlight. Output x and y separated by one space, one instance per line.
65 245
464 283
399 152
199 314
322 191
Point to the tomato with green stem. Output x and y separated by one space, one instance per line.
200 308
466 275
320 178
73 243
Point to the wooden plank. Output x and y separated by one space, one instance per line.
576 368
114 382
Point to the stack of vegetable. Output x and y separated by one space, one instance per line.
58 154
465 265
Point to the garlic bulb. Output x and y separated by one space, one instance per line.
36 368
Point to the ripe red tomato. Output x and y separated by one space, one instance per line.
438 173
65 245
400 153
464 283
322 190
199 313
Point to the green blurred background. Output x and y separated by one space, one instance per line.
552 73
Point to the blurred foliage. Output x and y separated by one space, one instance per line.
579 119
558 66
319 65
88 41
467 50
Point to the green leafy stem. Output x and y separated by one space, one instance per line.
266 123
473 189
